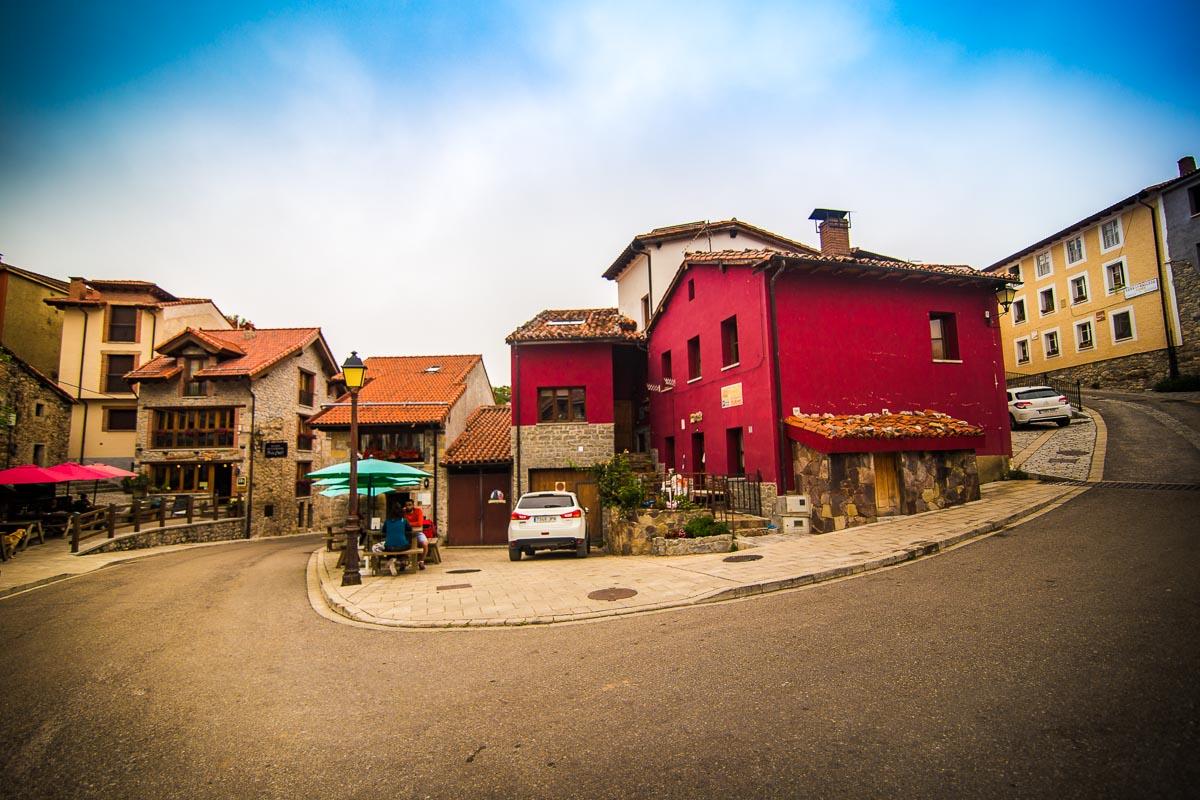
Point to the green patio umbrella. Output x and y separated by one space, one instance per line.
370 467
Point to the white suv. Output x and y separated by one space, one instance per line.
547 521
1037 404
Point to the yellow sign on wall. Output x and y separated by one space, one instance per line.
731 395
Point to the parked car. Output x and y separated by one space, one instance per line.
1037 404
547 521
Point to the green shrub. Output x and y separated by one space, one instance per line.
1183 383
705 526
618 485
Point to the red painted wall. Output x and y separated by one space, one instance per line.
717 296
567 364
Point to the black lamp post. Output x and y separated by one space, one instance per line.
354 372
1004 296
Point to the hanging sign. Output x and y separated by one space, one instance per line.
1139 289
731 395
275 449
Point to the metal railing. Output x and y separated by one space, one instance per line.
1072 390
723 495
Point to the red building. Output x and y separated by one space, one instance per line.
744 339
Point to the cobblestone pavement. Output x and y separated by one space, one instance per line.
1056 452
481 587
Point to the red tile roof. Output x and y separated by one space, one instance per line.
37 277
98 291
926 424
755 257
579 324
485 440
255 352
404 390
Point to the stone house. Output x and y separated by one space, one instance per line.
1100 300
228 412
409 410
109 328
579 380
28 327
35 414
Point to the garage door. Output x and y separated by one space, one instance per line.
479 507
579 481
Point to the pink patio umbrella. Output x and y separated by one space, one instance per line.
31 474
73 471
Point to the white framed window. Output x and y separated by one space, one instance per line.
1077 287
1112 235
1046 301
1021 349
1085 338
1051 346
1043 263
1019 314
1116 276
1074 250
1122 325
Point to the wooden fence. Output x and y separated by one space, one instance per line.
156 510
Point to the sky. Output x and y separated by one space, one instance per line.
423 177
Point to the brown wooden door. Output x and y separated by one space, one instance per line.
494 523
887 484
623 426
463 512
474 518
579 481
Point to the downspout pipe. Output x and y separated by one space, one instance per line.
437 469
250 479
516 412
1172 356
79 387
777 400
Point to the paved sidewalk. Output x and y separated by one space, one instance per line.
481 587
1075 452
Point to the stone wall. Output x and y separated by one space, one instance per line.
212 531
937 480
1186 275
647 532
23 396
692 547
559 445
1135 373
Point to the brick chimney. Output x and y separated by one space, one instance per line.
77 289
834 229
1187 165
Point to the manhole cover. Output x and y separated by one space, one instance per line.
460 571
454 586
746 557
611 594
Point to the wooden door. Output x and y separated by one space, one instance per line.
494 489
623 426
887 484
579 481
463 512
475 518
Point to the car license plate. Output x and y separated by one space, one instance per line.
543 519
1047 410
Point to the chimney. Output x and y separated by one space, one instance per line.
834 229
1187 165
77 289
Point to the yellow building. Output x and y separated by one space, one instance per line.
1098 301
29 327
110 328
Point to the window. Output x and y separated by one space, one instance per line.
39 409
392 445
193 428
1075 252
1015 271
944 334
1018 311
1079 289
668 456
1194 199
193 387
564 404
120 419
645 310
1114 276
1050 344
698 458
39 455
1083 335
187 477
115 368
1044 264
1046 301
304 434
735 450
729 342
1111 234
668 377
1022 350
694 358
303 482
122 324
307 382
1123 329
691 289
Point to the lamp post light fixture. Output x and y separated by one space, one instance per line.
354 372
1004 296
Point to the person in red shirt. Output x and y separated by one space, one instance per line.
416 520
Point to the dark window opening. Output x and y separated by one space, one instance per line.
645 310
668 375
115 368
1194 198
734 446
122 324
39 409
693 347
193 428
691 289
1122 326
303 483
668 456
307 383
120 419
698 452
393 445
304 435
944 334
39 455
729 342
562 404
191 386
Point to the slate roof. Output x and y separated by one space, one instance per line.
926 424
404 390
576 325
485 440
255 351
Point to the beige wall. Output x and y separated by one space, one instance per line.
1137 251
30 328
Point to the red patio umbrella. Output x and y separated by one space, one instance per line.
32 474
72 471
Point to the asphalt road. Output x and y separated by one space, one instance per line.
1148 436
1055 659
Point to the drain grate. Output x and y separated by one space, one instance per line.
746 557
614 593
460 571
1139 485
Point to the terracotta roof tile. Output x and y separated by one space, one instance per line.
754 257
255 352
485 440
569 325
404 390
926 424
160 368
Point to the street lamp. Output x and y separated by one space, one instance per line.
1004 296
354 372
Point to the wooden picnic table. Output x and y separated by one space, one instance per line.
8 546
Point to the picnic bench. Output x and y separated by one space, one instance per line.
335 539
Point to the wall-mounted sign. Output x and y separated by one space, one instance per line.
1141 288
275 449
731 395
241 481
497 496
696 416
1100 315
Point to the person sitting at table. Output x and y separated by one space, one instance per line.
416 520
81 505
396 536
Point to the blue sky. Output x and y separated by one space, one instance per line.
330 163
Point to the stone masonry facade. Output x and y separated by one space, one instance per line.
36 419
841 486
559 445
1186 275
